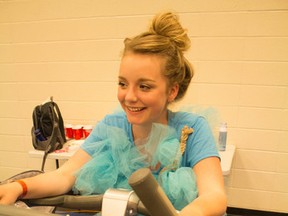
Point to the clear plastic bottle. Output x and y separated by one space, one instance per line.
222 136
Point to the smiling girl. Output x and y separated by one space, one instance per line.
153 74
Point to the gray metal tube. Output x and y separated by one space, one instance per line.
93 202
150 193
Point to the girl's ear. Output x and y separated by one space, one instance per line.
173 92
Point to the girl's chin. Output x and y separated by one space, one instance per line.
134 120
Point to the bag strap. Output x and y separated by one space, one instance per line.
35 117
60 121
44 159
52 139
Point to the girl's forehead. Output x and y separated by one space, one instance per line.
142 64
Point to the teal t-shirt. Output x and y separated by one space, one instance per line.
200 144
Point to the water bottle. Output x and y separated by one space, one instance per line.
222 136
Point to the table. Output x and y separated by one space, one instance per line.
227 159
68 150
72 146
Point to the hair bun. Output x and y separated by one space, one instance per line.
168 25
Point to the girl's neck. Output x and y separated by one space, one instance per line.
141 132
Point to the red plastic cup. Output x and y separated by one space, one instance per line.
69 131
87 130
77 132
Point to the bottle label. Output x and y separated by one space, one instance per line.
222 141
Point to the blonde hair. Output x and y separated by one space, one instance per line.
166 37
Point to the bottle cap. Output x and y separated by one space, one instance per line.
223 126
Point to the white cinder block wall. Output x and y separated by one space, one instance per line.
71 50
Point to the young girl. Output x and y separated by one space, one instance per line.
178 147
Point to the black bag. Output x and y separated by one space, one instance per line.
47 132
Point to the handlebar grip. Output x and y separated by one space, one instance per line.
150 193
10 210
70 201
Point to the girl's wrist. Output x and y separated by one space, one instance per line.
23 189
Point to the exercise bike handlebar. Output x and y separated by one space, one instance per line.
92 202
150 193
152 199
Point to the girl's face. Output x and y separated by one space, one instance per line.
143 92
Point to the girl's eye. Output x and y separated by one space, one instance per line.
121 84
145 87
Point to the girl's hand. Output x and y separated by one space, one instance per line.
9 193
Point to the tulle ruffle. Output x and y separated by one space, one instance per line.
116 158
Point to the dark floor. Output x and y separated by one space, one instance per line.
233 215
230 212
250 212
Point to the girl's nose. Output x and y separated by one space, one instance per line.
131 95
